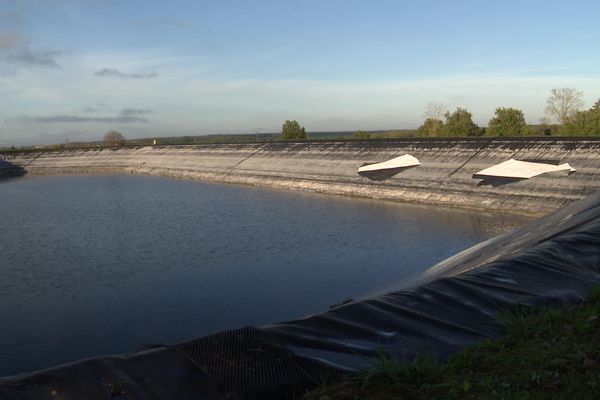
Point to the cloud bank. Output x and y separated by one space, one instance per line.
15 49
111 72
126 116
27 56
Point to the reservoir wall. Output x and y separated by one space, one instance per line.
445 176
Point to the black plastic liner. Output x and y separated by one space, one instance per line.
454 304
9 170
251 363
155 374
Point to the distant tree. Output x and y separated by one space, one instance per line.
361 135
396 134
545 127
460 123
114 137
433 118
583 123
508 122
291 130
431 127
545 121
563 103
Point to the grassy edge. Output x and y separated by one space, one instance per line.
547 353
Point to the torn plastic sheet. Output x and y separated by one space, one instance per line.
385 170
454 304
404 161
516 169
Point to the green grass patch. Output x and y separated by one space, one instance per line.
543 354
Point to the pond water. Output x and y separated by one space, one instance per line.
95 265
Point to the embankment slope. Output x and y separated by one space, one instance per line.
443 178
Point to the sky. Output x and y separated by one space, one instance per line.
71 70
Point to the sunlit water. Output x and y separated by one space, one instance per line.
96 265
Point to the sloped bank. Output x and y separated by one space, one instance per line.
9 170
445 176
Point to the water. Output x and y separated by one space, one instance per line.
95 265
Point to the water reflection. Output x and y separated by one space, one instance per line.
101 264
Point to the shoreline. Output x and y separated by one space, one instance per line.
445 176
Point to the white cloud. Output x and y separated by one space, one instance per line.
394 103
186 99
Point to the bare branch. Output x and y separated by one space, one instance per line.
563 103
433 116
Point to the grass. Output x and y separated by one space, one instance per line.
543 354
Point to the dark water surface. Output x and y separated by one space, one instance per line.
94 265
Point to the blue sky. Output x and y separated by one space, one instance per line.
76 69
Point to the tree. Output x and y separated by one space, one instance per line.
508 122
291 130
433 118
114 137
460 123
583 123
545 127
563 103
431 127
359 134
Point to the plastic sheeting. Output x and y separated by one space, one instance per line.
386 169
454 304
521 169
8 169
155 374
404 161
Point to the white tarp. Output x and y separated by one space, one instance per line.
521 169
404 161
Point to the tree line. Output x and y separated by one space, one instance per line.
563 105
